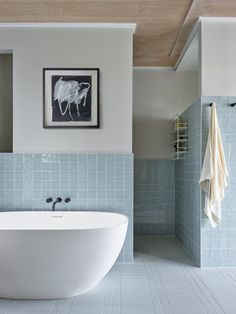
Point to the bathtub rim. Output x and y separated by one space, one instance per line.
29 228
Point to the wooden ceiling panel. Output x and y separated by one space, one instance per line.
154 61
157 20
91 9
153 44
162 25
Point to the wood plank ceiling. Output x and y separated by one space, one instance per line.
162 25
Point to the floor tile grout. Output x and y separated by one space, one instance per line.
162 280
211 294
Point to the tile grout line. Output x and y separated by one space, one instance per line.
232 278
53 306
156 292
209 291
164 290
11 305
61 307
70 306
197 287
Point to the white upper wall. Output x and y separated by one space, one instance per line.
211 48
159 94
189 59
35 48
218 56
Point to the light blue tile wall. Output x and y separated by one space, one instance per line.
219 244
187 191
154 197
98 182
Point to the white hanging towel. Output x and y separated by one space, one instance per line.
214 171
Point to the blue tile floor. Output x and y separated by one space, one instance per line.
162 279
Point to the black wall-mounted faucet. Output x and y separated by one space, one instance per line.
58 200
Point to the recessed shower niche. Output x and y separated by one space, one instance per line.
6 98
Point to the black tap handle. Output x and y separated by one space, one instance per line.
67 200
49 200
59 200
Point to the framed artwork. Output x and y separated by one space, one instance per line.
71 98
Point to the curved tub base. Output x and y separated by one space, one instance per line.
57 261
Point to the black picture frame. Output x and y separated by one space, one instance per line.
82 87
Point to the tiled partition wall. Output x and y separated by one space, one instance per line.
219 244
187 191
154 197
96 182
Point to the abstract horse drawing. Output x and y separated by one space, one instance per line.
70 92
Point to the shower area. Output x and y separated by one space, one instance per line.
168 202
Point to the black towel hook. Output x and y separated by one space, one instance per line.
232 105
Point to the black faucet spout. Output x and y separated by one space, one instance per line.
58 200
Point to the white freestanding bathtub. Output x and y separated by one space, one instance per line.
50 255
